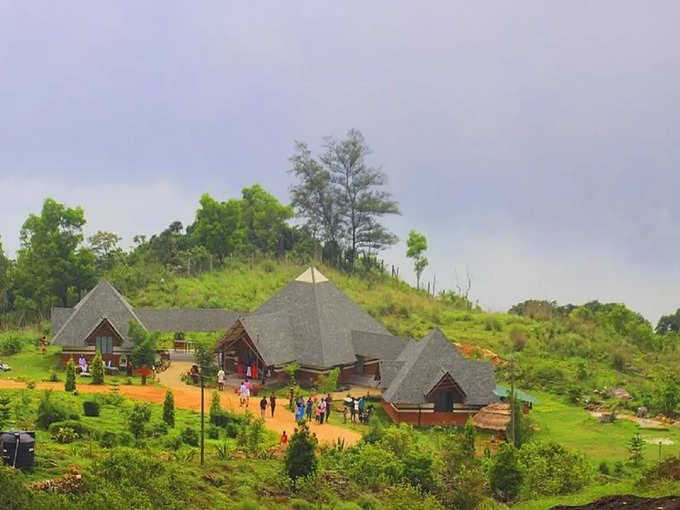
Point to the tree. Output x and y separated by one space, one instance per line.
521 423
505 474
218 226
4 281
357 188
314 198
104 245
469 437
138 418
145 345
668 323
300 459
48 263
666 396
97 369
635 446
169 409
70 384
264 220
417 244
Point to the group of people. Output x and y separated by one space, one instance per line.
357 409
318 409
244 394
263 405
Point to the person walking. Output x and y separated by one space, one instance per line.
242 394
263 406
220 379
322 409
43 344
272 403
284 438
355 411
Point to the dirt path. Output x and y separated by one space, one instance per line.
189 397
645 423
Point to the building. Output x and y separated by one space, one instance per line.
430 382
99 322
310 322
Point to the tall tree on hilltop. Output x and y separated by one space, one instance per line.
361 201
314 198
341 196
48 262
417 244
264 220
218 226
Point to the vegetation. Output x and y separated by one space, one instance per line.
169 409
417 245
70 384
97 369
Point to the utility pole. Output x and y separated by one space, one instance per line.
512 400
202 416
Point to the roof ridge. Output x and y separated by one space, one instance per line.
125 303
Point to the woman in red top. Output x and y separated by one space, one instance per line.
284 438
42 345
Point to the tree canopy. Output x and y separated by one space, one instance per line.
417 244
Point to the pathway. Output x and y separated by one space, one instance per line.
189 397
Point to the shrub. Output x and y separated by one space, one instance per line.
159 429
550 469
215 407
518 337
169 409
91 408
138 418
213 432
11 345
492 324
50 411
407 497
666 470
505 474
604 467
65 435
109 439
80 428
190 436
4 409
125 439
418 470
300 459
70 384
97 369
53 377
172 441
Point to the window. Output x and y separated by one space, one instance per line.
104 344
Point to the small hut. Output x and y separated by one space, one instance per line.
494 417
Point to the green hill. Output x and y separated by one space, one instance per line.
563 350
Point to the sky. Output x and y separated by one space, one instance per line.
535 144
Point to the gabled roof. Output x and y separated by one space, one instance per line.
378 346
102 302
58 317
187 319
272 335
424 363
322 319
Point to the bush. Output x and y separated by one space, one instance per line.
97 369
169 409
550 469
190 436
109 439
80 428
50 411
492 324
418 470
91 408
667 470
138 418
505 474
65 435
11 345
407 497
213 432
604 467
172 441
300 459
125 439
159 429
70 384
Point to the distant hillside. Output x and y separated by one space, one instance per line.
568 351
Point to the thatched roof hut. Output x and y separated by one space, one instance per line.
493 417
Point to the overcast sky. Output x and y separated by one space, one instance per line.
535 144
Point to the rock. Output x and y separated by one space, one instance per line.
642 412
607 418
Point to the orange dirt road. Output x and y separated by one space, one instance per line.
189 397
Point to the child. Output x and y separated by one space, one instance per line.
284 438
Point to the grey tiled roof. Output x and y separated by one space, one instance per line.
388 371
187 319
102 302
273 336
377 346
71 326
322 320
58 317
424 364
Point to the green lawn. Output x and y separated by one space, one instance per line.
573 427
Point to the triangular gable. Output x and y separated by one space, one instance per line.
445 382
118 338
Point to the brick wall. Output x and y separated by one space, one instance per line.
426 419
